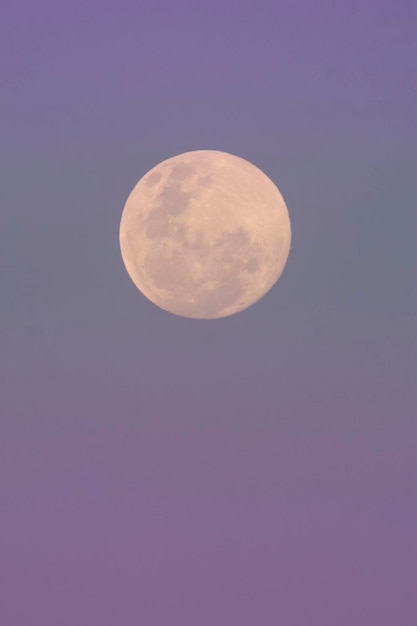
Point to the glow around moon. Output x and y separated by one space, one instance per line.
205 234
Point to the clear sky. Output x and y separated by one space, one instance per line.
258 469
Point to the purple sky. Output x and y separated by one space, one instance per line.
259 469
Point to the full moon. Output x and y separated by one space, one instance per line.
205 234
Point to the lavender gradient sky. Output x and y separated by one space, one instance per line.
259 469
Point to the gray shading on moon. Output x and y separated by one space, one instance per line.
205 234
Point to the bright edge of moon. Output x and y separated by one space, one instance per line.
205 234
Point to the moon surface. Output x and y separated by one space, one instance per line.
205 234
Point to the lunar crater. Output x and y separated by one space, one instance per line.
153 178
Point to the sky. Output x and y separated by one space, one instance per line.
256 469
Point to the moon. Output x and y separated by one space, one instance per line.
205 234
